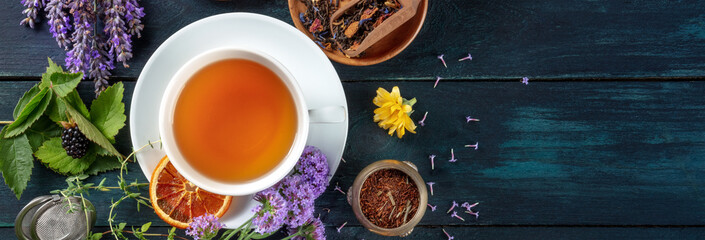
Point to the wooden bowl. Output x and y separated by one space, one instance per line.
386 48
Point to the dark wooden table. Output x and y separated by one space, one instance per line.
607 140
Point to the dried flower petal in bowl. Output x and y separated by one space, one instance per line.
308 14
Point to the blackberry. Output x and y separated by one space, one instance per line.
75 143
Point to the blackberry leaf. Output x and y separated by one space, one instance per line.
108 111
54 156
57 108
16 162
29 113
91 132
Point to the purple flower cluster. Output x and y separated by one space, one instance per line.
204 227
313 229
75 26
269 215
31 11
313 166
299 196
291 200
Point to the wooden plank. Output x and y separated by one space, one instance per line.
508 39
561 153
523 233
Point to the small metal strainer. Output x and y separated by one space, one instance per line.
47 217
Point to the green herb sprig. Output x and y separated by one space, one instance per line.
38 118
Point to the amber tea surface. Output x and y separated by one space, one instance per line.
234 120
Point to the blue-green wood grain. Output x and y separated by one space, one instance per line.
519 233
551 153
554 39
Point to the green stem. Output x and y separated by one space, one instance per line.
246 229
6 122
85 212
149 234
231 234
294 235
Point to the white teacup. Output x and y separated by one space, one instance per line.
184 74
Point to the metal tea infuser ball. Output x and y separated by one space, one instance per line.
48 217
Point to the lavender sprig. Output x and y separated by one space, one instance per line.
58 21
133 16
31 11
120 43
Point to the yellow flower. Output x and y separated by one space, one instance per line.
393 112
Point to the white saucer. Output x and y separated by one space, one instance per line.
309 65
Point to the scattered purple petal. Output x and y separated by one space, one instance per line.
343 159
432 157
468 209
341 226
433 208
337 188
442 60
455 215
525 80
477 214
470 119
437 80
473 145
423 119
452 156
455 204
448 235
469 57
430 186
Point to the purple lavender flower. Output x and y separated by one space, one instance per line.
423 119
314 229
433 208
133 16
430 186
452 156
440 57
58 21
341 227
313 167
299 200
473 145
269 216
468 209
120 43
455 215
432 157
448 235
470 119
437 80
455 204
31 11
204 227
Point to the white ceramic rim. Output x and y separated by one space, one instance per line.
166 117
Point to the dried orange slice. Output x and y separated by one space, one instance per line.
177 201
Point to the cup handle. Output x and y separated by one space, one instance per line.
331 114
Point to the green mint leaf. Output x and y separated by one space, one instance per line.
96 236
57 108
121 226
172 233
91 132
29 113
16 162
145 227
42 130
25 99
103 164
108 111
52 154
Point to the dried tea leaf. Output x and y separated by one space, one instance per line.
352 29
